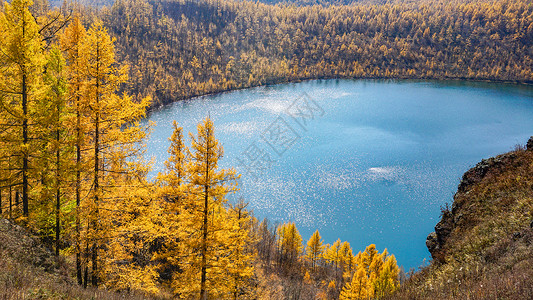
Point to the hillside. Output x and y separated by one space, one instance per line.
29 270
180 49
482 248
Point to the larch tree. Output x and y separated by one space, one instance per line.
115 138
387 280
57 151
346 257
289 243
206 235
357 288
332 255
314 249
22 58
70 42
172 196
239 268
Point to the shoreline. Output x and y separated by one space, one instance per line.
449 79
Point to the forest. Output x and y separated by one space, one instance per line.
76 81
73 172
181 49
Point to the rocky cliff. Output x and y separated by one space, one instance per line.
453 220
482 247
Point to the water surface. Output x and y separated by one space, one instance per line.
374 162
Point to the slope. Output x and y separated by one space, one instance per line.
482 248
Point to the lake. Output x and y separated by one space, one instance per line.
367 161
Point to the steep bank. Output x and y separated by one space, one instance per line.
482 248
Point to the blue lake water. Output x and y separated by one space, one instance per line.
367 161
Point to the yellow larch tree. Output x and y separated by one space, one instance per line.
332 255
314 249
70 41
289 243
172 197
387 280
346 257
206 230
115 138
57 152
241 253
381 275
22 57
358 287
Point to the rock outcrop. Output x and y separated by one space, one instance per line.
451 219
529 145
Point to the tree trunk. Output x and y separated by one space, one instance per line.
96 191
58 189
25 152
203 292
78 193
96 175
24 133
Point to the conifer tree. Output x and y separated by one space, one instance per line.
314 249
387 280
58 151
205 223
70 42
115 137
289 243
241 254
333 255
357 288
22 57
346 257
172 196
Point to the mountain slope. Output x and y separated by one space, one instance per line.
482 248
29 270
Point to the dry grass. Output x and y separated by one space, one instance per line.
489 253
28 270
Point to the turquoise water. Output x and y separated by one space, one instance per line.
364 161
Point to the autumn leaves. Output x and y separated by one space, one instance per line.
367 275
71 150
204 237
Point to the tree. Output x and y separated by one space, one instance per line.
289 243
357 288
205 224
22 57
56 135
347 260
172 196
387 280
115 136
70 42
314 248
241 254
333 255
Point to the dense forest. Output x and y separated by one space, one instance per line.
179 49
73 172
76 81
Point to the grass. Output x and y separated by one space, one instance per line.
28 270
489 252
